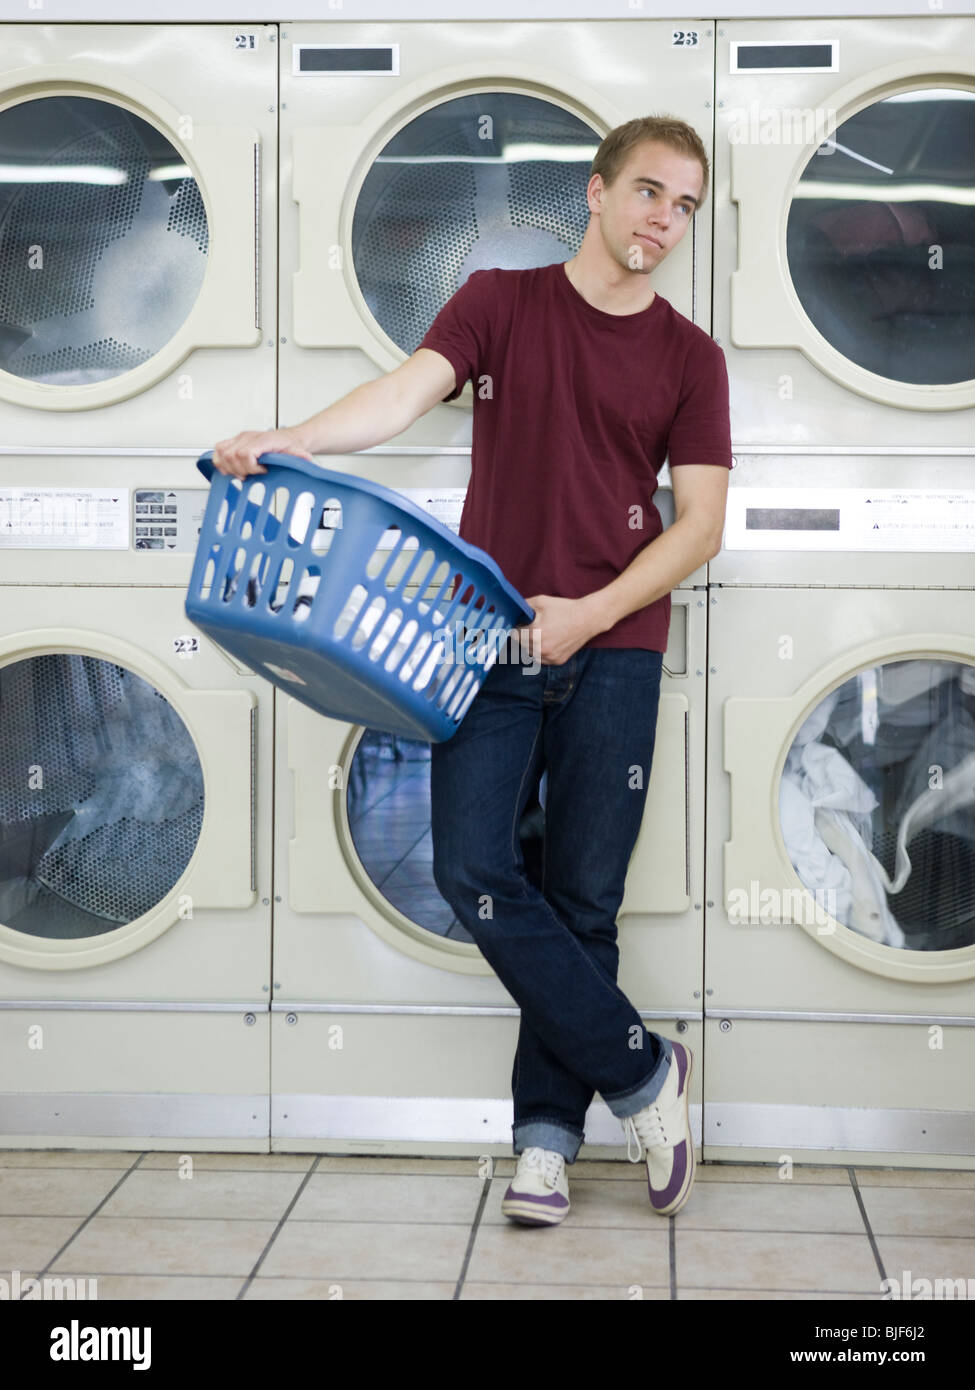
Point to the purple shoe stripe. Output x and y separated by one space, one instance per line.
677 1176
555 1200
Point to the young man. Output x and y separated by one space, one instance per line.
584 381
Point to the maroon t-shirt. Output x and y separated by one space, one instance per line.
575 411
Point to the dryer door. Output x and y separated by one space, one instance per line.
131 232
875 814
103 241
880 239
110 804
496 179
869 270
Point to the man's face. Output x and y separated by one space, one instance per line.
648 207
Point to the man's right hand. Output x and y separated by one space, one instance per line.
238 456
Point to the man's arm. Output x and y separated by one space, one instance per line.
700 494
369 415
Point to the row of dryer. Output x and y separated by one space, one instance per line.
208 228
146 301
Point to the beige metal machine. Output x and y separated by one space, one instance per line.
136 211
135 816
840 940
844 230
450 148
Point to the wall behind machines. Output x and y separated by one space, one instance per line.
418 1014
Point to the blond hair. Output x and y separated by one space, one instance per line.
666 130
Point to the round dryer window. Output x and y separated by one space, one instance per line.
493 180
877 804
103 240
388 803
101 796
881 237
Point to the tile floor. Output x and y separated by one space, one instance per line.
303 1226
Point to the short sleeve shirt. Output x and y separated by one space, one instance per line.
575 412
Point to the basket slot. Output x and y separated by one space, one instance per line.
386 633
279 505
228 506
282 585
305 597
435 589
419 572
369 620
350 611
300 518
329 522
403 642
454 675
256 577
459 713
238 560
251 510
412 662
383 553
395 576
464 694
431 654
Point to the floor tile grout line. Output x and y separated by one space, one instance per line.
475 1227
406 1173
869 1229
274 1234
493 1225
672 1243
91 1215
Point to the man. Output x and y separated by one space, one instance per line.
584 380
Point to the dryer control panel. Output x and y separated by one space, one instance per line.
167 518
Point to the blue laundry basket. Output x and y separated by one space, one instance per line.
349 597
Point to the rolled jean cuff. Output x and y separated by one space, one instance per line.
623 1105
546 1134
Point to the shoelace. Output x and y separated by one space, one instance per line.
544 1161
648 1126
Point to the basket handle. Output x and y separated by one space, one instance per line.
270 460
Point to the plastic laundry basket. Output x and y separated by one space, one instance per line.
349 597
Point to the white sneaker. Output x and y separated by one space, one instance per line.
538 1194
664 1127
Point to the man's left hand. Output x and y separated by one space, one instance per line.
561 626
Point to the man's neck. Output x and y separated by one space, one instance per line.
609 288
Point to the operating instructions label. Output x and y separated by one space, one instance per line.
94 518
850 519
444 504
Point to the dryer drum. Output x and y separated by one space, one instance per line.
877 803
103 240
101 796
881 238
492 180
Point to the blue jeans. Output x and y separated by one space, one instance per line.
590 724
